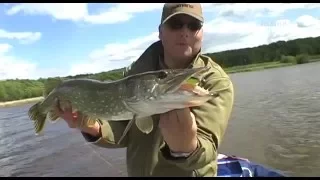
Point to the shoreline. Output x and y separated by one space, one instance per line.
231 70
20 102
256 67
263 66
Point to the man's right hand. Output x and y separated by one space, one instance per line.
73 120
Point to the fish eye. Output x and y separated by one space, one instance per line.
162 75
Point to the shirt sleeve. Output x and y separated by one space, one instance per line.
212 120
110 134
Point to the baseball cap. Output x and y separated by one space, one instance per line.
172 9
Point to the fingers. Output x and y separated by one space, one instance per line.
177 118
64 110
186 117
183 115
169 120
164 121
73 119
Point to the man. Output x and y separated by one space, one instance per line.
185 142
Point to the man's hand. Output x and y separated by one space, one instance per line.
179 130
73 120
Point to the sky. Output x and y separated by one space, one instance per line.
60 39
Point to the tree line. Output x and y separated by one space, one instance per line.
293 51
15 89
277 51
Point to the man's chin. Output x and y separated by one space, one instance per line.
186 55
183 53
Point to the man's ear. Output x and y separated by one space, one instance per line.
160 32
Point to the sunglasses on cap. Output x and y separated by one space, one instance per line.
176 24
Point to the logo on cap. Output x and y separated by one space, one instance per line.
183 5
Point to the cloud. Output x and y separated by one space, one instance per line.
4 48
121 12
60 11
22 37
114 55
261 9
124 51
219 35
12 67
78 12
307 21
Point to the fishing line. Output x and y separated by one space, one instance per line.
82 123
88 144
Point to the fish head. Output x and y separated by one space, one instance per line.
170 81
168 89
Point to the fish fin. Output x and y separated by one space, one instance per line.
38 118
53 116
144 124
50 84
126 130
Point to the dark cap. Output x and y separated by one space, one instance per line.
172 9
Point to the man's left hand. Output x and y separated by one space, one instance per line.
179 130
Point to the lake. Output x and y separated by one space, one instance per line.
275 122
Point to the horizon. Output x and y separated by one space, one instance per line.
66 39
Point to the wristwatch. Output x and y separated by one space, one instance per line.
178 155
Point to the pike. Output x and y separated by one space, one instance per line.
132 98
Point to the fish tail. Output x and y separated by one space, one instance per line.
38 118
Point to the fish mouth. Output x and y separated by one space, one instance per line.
194 89
179 81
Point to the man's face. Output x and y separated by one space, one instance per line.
181 36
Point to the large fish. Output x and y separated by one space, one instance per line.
132 98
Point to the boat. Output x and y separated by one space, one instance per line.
233 166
